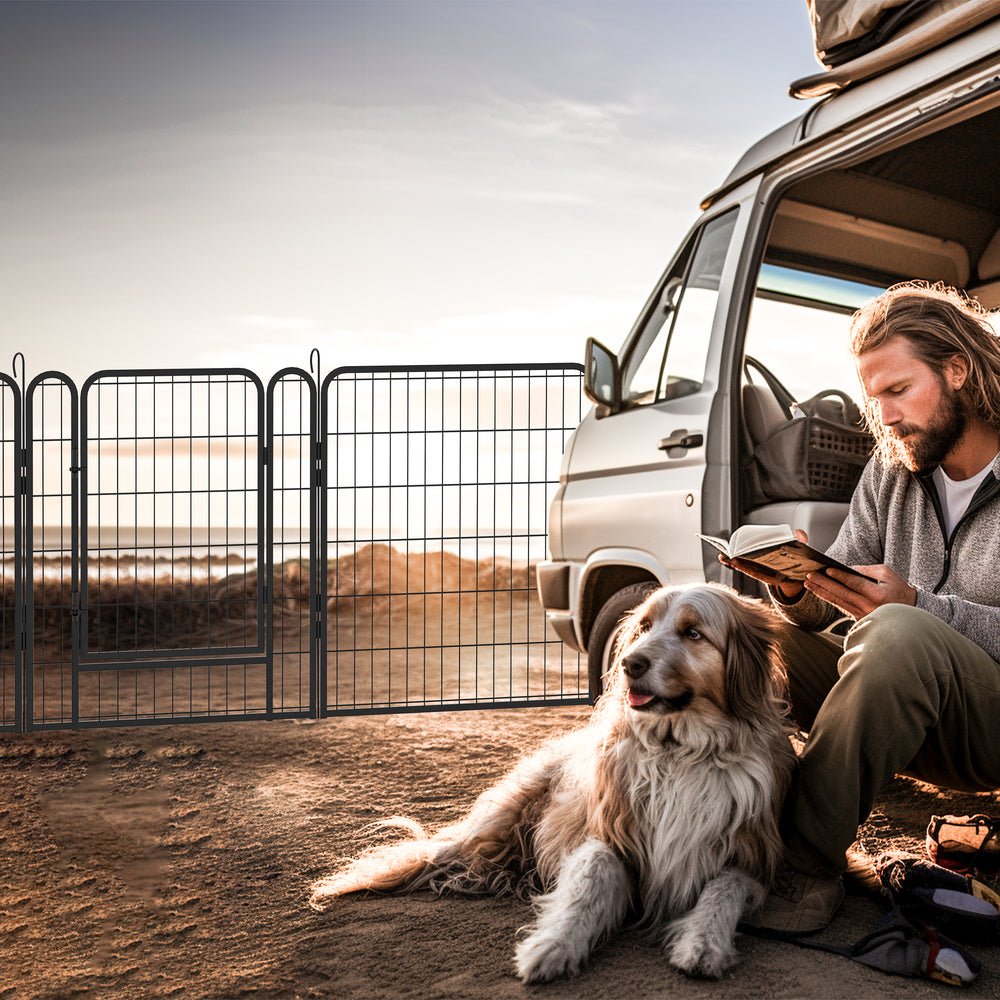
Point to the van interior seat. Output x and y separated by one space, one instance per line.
988 267
762 413
820 519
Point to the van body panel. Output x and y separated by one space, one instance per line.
653 498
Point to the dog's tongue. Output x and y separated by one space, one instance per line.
639 697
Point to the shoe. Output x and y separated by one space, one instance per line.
956 904
966 844
797 904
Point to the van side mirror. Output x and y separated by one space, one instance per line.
601 378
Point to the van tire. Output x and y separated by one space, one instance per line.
601 645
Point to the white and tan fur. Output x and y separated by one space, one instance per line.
660 815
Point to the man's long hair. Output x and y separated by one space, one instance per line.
939 322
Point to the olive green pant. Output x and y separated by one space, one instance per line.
906 694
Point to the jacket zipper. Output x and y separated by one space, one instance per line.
983 495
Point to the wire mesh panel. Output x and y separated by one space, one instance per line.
171 546
196 548
293 597
437 484
51 529
11 577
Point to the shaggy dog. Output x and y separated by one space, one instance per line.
660 815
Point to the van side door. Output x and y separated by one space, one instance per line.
632 491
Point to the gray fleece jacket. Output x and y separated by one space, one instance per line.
895 518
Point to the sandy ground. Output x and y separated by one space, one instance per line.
175 862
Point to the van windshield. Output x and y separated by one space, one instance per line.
799 328
820 290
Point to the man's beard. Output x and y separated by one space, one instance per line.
921 449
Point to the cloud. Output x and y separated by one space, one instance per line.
561 120
277 324
501 179
551 330
566 313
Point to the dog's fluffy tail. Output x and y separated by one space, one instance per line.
488 852
382 869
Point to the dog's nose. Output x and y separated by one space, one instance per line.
635 664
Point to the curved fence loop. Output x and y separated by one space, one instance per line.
12 489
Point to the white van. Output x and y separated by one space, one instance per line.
886 178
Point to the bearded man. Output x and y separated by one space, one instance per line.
915 686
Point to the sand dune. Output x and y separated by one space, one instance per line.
128 611
404 629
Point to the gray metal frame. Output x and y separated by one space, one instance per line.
497 408
12 637
288 386
50 678
183 378
91 591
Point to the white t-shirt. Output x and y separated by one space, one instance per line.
955 496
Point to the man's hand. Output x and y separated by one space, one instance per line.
858 597
789 588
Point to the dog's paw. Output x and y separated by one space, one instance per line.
540 959
696 951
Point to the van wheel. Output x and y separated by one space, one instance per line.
601 647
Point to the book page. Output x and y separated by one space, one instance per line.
750 537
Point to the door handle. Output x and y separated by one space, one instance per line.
681 439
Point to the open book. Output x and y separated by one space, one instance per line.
775 549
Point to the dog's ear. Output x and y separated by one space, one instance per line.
630 629
753 662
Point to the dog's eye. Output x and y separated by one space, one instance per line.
692 633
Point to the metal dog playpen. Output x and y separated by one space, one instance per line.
192 545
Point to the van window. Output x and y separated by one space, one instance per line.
800 328
666 359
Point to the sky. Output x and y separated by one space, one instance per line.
191 184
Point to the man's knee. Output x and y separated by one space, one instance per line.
896 644
891 623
